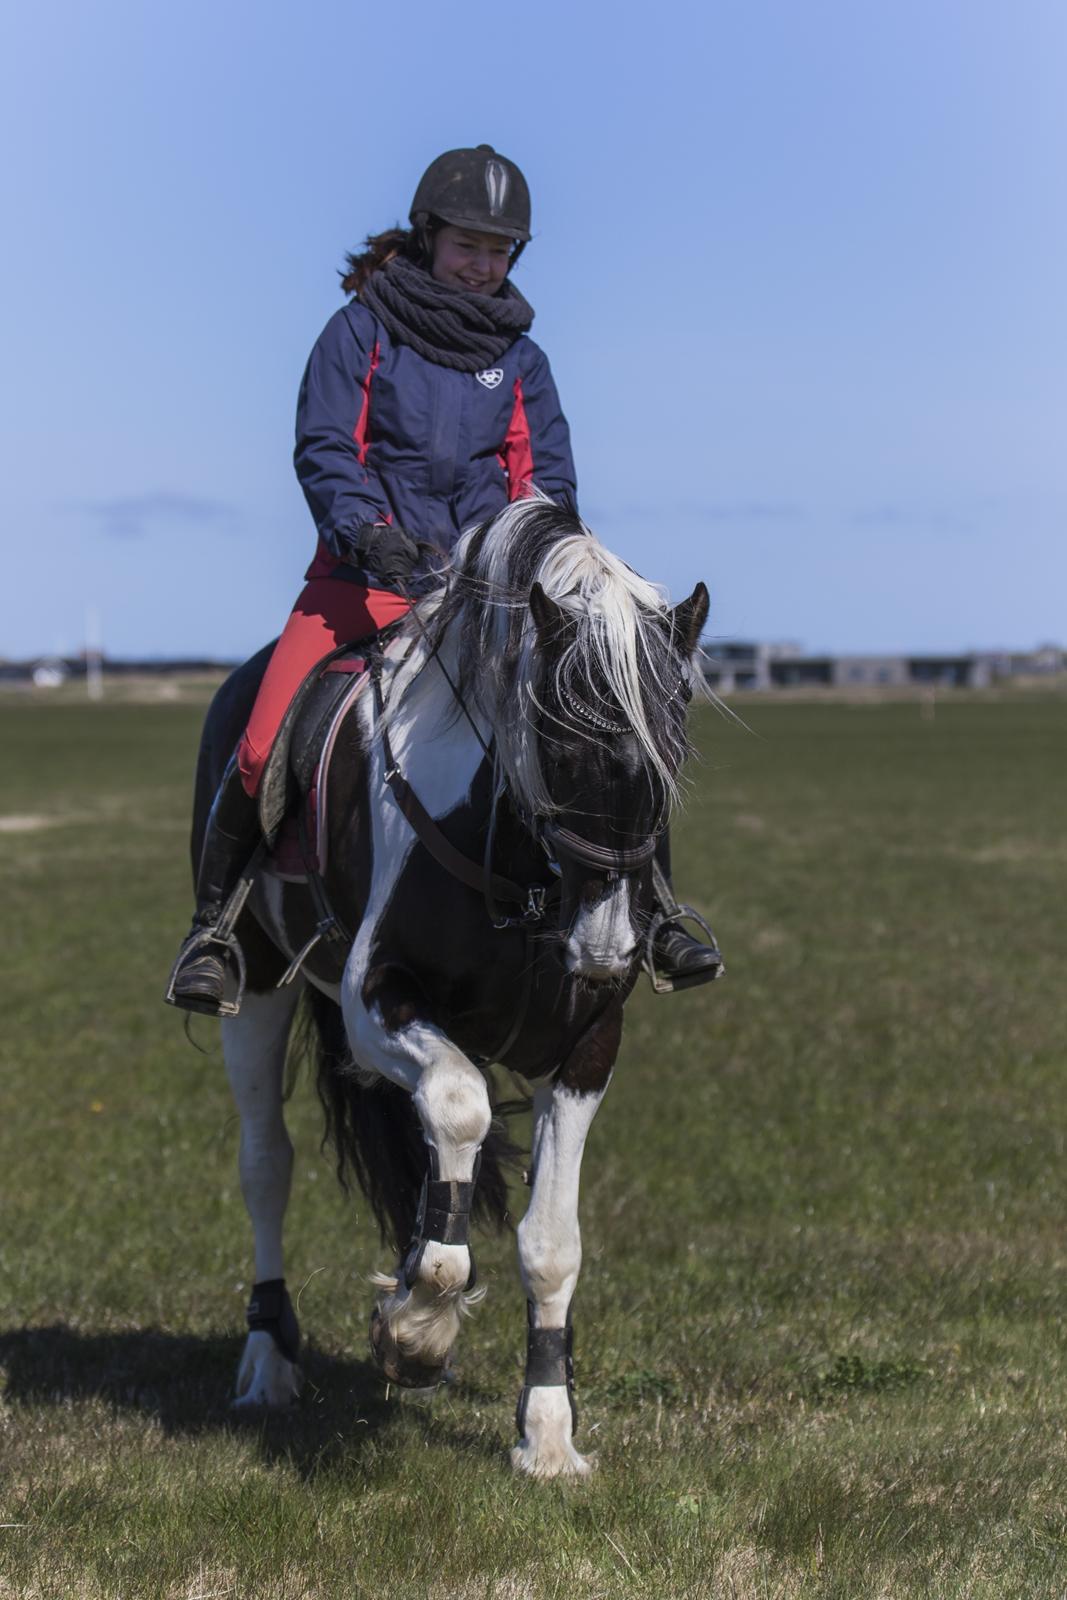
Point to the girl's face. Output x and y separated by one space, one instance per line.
465 259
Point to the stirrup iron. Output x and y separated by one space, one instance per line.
221 933
672 911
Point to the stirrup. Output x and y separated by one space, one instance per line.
220 933
664 985
235 956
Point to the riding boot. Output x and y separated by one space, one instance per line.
198 982
678 961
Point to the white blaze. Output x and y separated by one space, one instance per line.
601 942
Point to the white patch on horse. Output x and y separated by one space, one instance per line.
440 761
600 945
452 1101
550 1259
254 1045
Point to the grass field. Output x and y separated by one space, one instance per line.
822 1324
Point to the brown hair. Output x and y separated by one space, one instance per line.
378 248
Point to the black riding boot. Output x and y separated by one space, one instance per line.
678 960
198 982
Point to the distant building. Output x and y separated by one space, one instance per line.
51 673
1046 661
733 664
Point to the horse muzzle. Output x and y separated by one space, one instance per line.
600 944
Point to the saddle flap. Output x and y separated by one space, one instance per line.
290 767
313 726
299 847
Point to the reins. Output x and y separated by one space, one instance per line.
531 899
556 840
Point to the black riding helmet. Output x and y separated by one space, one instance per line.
474 189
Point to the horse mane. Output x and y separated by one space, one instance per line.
621 659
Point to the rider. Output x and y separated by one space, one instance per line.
424 409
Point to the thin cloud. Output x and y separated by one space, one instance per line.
749 511
730 511
891 514
140 516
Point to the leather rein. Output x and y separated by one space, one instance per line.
532 900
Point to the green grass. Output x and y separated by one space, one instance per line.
822 1323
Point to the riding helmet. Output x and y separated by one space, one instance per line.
474 189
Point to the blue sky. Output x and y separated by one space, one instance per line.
799 270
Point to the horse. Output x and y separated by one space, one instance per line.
492 805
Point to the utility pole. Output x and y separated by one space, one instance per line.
94 655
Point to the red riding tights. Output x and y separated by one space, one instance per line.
329 612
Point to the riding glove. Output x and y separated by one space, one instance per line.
387 552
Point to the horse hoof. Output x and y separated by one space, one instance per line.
545 1449
397 1366
559 1462
266 1380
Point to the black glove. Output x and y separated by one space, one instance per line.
389 553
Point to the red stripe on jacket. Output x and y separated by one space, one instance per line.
359 432
325 561
516 458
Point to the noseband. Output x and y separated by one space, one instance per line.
560 842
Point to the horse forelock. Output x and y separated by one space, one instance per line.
620 658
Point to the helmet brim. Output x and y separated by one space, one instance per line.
476 224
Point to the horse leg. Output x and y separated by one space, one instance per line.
550 1253
418 1317
254 1045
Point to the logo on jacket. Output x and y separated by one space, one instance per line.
490 377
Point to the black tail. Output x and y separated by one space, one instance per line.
375 1131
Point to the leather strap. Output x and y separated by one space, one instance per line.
270 1310
549 1365
447 1215
601 857
474 874
444 1218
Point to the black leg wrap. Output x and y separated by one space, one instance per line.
549 1365
447 1213
444 1218
270 1310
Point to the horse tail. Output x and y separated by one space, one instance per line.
377 1136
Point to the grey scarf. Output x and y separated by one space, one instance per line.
453 327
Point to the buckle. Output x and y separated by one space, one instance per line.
535 904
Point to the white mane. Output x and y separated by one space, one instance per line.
619 662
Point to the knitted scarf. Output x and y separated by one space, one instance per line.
453 327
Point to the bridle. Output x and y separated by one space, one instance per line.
559 843
614 863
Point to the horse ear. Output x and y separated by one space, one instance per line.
550 619
688 618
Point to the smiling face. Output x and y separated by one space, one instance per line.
466 259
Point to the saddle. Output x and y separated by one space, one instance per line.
293 786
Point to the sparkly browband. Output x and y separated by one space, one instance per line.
587 714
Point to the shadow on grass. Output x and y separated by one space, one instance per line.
186 1382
